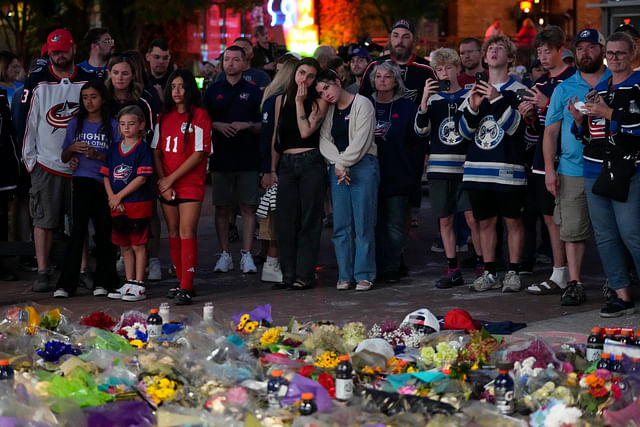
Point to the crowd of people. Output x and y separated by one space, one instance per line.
290 140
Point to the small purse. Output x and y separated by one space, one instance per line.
615 177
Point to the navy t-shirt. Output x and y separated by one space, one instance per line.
340 128
234 103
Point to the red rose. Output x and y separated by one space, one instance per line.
306 371
328 383
598 391
617 393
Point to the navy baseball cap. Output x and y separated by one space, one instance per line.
403 23
629 29
361 52
590 35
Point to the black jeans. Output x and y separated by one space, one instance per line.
90 202
302 183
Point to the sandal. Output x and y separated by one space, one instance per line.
547 287
343 285
299 285
364 285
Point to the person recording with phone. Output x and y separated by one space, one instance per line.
438 113
608 123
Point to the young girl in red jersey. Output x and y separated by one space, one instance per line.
182 144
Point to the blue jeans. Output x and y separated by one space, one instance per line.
616 225
354 220
392 213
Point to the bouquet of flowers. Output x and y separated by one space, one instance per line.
599 391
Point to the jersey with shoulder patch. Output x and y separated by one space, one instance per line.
447 148
495 158
170 140
50 101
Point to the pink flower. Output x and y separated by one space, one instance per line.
408 389
603 373
237 396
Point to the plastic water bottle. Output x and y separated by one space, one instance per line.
207 313
165 312
503 388
308 404
154 324
276 389
6 372
344 379
594 345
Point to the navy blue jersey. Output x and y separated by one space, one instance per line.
234 103
546 84
447 148
122 168
496 155
397 143
414 74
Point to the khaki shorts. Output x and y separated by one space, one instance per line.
268 227
571 212
229 188
49 198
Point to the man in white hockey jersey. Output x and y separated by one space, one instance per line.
50 98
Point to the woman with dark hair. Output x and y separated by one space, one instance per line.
126 86
299 169
608 125
182 144
10 70
88 138
347 143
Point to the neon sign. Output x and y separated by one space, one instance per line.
296 18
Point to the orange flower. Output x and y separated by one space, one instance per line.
594 381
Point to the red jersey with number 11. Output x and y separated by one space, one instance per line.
169 139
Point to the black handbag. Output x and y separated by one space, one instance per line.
618 166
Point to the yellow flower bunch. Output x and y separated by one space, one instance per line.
245 325
373 370
327 360
270 336
161 390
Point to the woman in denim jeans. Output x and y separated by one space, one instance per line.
299 170
614 110
347 143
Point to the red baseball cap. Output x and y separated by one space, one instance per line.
59 39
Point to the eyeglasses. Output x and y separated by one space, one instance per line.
108 41
616 54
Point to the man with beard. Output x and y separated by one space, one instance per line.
471 58
50 99
101 45
566 183
415 70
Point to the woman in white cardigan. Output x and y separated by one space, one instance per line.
347 143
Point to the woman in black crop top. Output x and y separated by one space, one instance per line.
299 169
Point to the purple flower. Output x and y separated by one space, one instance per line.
53 350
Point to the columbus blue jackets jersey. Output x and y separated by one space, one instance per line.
50 102
447 148
495 158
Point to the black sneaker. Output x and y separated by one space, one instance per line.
41 284
573 294
183 297
617 308
171 293
608 293
453 278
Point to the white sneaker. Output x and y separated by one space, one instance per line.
117 294
60 293
120 266
135 292
155 270
224 264
485 282
246 263
271 271
100 291
511 282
